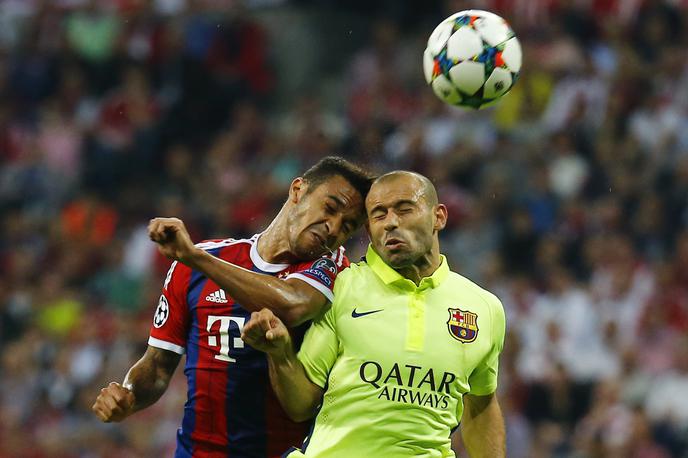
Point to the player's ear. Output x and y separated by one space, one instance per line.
440 217
297 189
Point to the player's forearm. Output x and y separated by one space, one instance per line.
252 290
482 428
149 378
298 395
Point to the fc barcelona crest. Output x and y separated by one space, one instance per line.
463 325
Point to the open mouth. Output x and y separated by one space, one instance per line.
394 243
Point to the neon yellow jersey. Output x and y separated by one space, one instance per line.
395 360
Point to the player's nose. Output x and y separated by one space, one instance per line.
333 230
391 222
333 226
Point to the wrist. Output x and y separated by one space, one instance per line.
283 355
193 258
130 405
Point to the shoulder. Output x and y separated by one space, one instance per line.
213 244
350 280
483 303
178 273
229 249
490 300
340 258
355 270
334 262
355 280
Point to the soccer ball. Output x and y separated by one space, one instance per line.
473 58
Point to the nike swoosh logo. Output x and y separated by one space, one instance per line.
355 314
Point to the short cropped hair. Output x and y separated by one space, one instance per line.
332 166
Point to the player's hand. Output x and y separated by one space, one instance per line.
172 238
114 403
265 332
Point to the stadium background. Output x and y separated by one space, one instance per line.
569 199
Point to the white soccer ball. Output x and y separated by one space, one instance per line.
472 59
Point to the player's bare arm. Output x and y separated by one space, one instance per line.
292 300
145 382
298 395
482 427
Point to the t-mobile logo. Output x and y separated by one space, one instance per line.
223 331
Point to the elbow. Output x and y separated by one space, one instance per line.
292 310
300 415
293 315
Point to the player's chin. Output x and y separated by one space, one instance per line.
398 258
311 250
318 252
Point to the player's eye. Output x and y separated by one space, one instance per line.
378 214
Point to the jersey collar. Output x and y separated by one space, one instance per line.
391 277
261 263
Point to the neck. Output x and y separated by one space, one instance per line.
424 266
273 244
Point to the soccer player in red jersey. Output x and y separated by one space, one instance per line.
209 293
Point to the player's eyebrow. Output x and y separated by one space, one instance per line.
377 207
401 202
396 204
337 199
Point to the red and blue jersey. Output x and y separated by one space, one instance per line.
231 410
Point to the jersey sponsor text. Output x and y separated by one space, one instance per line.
408 384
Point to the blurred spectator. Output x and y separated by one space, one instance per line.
665 401
92 32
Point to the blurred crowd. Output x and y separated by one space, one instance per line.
569 199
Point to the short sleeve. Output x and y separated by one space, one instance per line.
320 348
483 380
171 319
322 273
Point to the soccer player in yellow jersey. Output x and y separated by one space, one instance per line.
407 351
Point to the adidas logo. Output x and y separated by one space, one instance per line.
217 297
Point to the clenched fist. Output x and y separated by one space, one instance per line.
265 332
172 238
114 403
